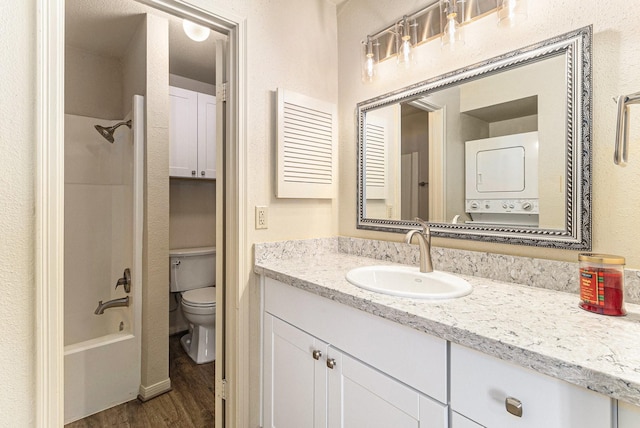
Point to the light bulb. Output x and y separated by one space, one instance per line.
511 12
369 67
369 70
405 55
405 50
453 35
196 32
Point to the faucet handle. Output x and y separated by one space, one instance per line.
424 224
125 281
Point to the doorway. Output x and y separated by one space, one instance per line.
51 196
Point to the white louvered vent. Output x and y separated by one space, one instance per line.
375 159
306 147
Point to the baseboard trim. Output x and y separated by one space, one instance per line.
146 393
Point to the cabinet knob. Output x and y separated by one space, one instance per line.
193 173
316 354
202 173
514 406
331 363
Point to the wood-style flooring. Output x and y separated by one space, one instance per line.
189 403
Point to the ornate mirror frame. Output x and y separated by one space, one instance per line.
576 48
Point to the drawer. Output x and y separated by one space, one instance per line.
481 384
414 358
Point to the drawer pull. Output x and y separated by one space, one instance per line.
514 406
316 354
331 363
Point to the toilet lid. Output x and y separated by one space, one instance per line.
200 296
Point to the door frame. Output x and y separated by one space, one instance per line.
49 316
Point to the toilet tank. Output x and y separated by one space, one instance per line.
192 268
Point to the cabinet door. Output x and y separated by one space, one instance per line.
295 386
361 396
183 135
206 136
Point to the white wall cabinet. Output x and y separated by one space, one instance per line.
310 383
192 134
481 384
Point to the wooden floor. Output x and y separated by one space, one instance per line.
189 404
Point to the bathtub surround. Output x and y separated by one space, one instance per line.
537 328
540 273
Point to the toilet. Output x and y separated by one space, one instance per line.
193 275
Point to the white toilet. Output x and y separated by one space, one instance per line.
193 274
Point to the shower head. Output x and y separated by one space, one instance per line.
107 133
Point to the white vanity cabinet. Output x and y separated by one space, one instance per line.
628 415
329 365
482 385
296 376
192 134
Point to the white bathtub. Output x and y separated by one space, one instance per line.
103 236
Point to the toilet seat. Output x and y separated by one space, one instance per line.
200 297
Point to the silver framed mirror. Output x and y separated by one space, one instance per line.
499 151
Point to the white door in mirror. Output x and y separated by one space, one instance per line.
407 281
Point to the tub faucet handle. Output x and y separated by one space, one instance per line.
125 281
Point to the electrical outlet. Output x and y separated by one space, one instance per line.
261 217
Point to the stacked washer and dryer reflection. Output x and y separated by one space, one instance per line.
193 275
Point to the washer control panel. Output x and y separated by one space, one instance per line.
515 206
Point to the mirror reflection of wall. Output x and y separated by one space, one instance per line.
415 149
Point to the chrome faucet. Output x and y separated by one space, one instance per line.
123 301
424 242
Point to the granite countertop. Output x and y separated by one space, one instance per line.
541 329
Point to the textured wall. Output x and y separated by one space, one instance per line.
155 299
192 213
616 70
92 85
17 184
291 44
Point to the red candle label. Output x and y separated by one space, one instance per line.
592 287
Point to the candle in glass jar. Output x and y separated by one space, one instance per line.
602 283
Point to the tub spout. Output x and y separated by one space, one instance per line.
123 301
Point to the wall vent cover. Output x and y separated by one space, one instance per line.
307 147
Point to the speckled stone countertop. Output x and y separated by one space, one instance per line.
538 328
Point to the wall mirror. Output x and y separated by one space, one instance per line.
499 151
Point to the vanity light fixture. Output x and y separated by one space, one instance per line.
370 62
196 32
511 12
453 33
444 19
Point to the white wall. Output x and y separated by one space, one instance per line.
17 199
616 70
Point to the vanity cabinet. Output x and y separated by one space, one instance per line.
328 365
295 375
492 392
192 134
628 415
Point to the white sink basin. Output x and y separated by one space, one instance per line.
409 282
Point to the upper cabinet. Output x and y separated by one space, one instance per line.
192 134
